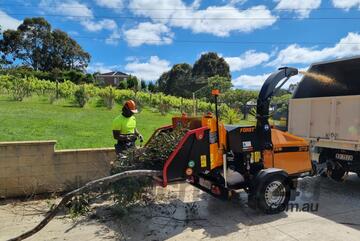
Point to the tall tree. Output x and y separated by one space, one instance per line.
215 82
183 80
151 87
210 64
2 56
66 53
34 44
143 85
176 81
132 83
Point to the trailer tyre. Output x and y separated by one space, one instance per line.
273 195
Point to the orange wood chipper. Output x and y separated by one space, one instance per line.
220 159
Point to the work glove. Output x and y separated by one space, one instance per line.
141 138
131 138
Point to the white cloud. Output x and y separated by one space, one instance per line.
249 81
210 20
101 67
150 70
149 33
116 4
114 38
302 7
256 81
80 12
346 4
234 2
8 22
69 8
241 21
95 26
249 59
295 54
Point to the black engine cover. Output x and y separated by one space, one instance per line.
241 139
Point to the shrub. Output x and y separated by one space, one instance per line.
122 85
229 115
5 83
67 89
108 96
81 97
20 87
164 107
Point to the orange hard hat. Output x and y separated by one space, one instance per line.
131 105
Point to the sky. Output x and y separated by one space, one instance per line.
146 37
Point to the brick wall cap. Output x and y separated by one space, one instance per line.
27 143
85 150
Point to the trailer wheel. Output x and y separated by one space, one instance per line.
273 195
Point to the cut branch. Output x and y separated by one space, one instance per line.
99 183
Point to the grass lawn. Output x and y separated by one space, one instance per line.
73 127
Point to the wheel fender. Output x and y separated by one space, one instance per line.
264 174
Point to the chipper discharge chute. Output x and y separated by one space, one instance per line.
221 160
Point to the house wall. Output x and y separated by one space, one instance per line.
110 80
28 168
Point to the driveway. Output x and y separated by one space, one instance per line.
323 210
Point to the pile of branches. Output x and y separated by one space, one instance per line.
131 191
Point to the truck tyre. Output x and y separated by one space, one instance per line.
336 172
333 168
272 195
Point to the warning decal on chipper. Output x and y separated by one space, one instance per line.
247 145
203 160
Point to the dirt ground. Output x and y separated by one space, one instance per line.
193 215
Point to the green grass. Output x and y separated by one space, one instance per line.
73 127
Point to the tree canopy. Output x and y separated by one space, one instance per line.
176 81
36 45
210 64
183 79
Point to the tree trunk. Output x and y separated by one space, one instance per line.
99 183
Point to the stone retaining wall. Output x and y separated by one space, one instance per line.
34 167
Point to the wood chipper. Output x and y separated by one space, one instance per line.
220 159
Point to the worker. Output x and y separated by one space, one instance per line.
124 128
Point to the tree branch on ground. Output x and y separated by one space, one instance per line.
96 184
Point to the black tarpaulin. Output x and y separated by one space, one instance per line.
345 72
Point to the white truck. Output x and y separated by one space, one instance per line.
328 115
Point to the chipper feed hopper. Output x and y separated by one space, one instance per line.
220 159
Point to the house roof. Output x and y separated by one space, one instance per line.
114 73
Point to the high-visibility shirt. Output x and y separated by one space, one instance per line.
126 125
